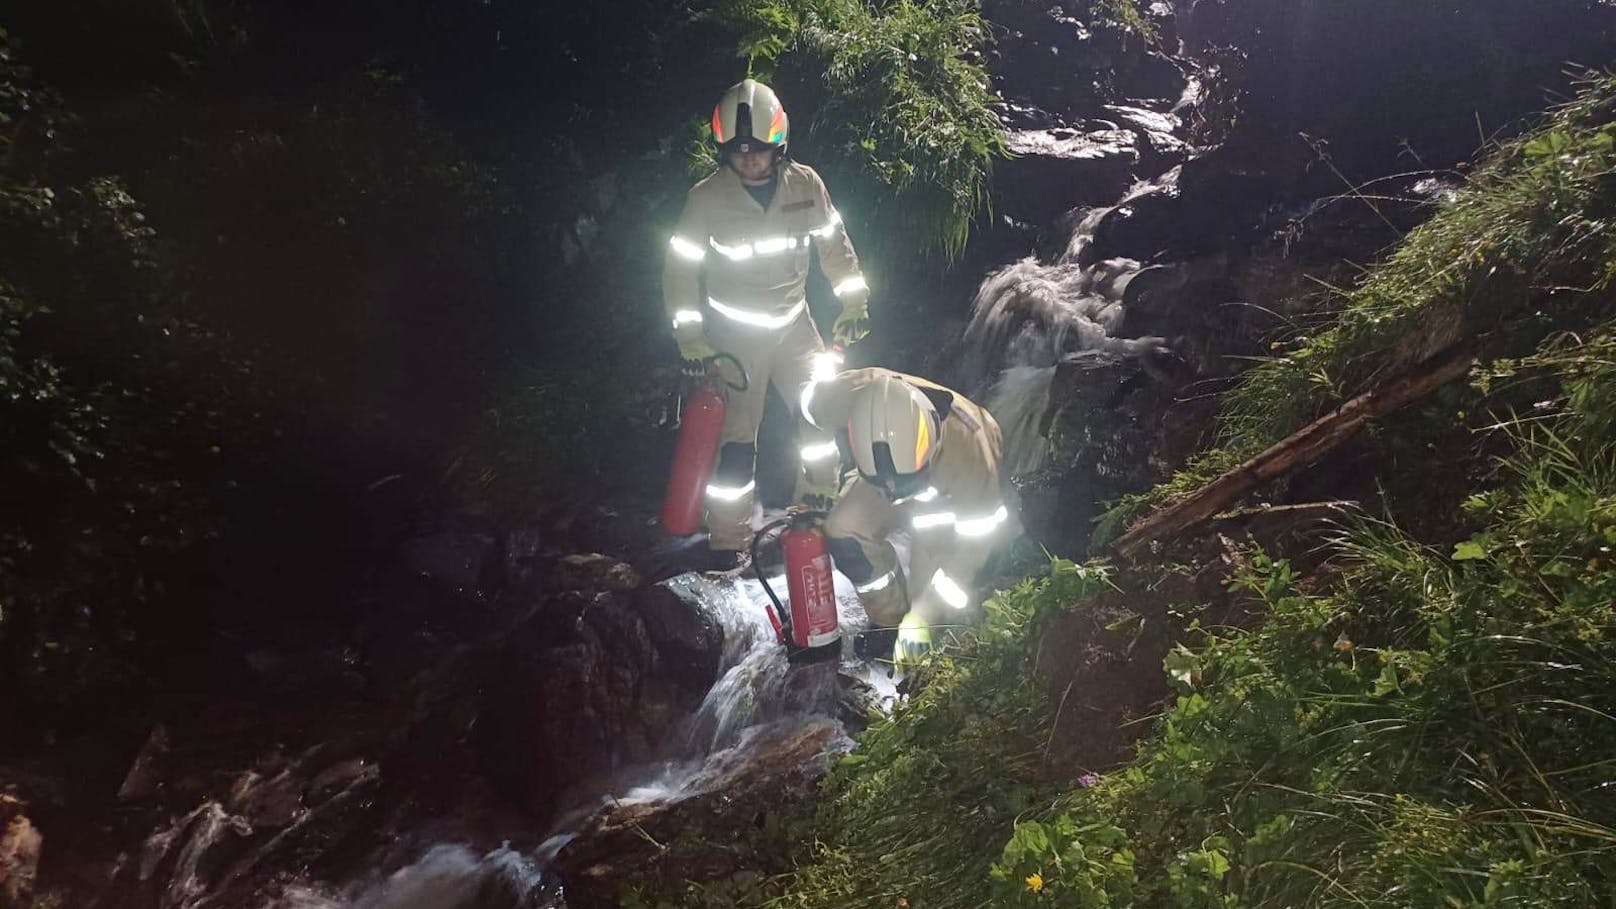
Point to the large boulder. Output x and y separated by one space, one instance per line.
688 639
654 843
1107 437
1383 84
593 680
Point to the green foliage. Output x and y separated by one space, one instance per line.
1128 15
918 812
1414 724
1523 251
891 99
125 426
1431 730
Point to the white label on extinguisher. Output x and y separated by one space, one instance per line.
821 595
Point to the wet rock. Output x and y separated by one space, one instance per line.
857 703
1020 116
1159 144
1341 72
524 557
1058 169
593 571
1206 204
20 843
343 818
659 841
1107 438
688 639
465 555
566 702
267 803
1153 75
146 774
178 862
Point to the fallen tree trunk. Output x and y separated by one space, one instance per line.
1299 449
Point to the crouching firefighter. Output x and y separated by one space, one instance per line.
734 282
928 461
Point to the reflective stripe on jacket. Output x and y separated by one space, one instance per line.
754 260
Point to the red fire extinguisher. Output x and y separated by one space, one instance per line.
809 628
697 451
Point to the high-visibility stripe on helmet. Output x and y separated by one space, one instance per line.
826 364
807 398
922 440
686 317
761 320
777 126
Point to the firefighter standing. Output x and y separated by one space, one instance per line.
734 282
928 461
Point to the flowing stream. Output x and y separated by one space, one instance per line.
757 692
1029 316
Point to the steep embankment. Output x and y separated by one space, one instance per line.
1413 708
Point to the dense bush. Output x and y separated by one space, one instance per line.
892 100
125 425
1432 729
1522 251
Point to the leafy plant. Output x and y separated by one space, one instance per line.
1522 252
892 99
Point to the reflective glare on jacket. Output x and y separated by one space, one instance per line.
754 261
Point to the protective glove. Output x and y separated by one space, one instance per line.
854 322
694 351
914 640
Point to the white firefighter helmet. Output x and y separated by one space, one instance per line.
893 429
750 118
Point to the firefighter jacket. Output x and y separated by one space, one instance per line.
955 523
732 259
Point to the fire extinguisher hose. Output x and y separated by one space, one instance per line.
779 616
746 380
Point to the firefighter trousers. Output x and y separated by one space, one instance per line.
941 566
783 358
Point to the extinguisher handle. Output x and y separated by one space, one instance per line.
714 371
780 617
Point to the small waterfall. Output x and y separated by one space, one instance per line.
1029 316
758 692
1018 400
446 877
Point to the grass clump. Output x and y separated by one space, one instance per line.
1127 15
891 99
1411 724
1432 728
917 814
1524 250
